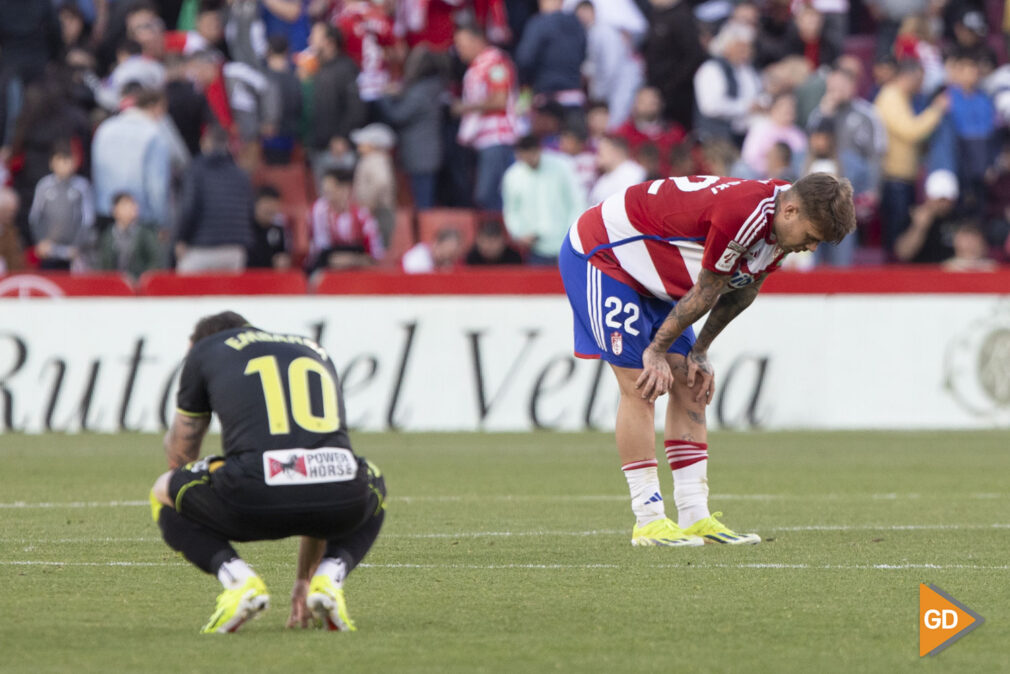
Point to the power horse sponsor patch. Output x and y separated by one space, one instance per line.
282 467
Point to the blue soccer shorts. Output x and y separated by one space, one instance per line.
612 320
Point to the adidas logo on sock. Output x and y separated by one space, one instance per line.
655 498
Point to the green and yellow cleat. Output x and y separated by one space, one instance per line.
327 603
712 530
665 533
235 607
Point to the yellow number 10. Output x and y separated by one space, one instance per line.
298 384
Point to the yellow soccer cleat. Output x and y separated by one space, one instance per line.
663 532
712 530
327 603
235 607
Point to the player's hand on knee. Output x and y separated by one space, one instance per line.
300 614
656 378
701 375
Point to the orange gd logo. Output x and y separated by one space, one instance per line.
942 619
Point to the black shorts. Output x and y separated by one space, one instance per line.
232 501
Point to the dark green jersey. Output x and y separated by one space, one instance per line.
269 390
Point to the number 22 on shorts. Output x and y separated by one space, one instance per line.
630 311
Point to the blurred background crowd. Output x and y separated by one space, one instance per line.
424 135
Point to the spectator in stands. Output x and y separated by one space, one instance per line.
906 130
441 255
888 15
144 26
269 248
289 18
491 246
618 170
246 34
62 215
29 38
12 257
673 53
283 115
822 157
597 123
72 26
47 116
971 34
859 136
337 108
374 174
368 32
778 163
131 67
432 22
971 252
918 39
779 126
186 106
929 238
128 246
549 58
973 119
647 127
344 234
131 153
573 143
542 199
487 112
418 121
215 217
614 70
726 86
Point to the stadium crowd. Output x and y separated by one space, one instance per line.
223 134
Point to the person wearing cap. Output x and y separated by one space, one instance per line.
374 174
929 237
906 131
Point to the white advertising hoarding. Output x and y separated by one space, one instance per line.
505 363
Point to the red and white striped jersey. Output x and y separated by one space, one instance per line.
367 31
492 71
657 236
354 227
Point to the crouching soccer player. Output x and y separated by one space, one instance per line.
640 269
287 470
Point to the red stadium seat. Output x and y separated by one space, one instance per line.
253 282
463 220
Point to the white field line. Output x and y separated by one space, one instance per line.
560 498
567 567
546 533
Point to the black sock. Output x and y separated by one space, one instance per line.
353 548
201 546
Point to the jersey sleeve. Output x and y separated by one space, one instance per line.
498 76
192 399
736 221
722 252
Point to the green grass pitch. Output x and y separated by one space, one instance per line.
510 553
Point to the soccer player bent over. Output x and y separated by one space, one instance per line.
640 269
287 470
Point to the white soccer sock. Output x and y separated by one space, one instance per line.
689 463
335 568
643 483
234 573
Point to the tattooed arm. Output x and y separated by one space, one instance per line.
726 309
656 377
183 440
